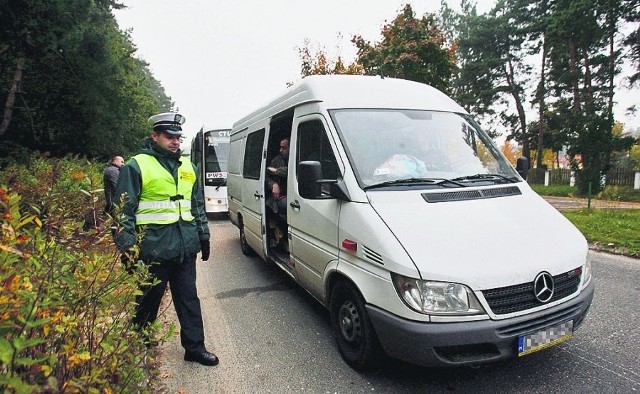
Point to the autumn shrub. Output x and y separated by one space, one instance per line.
65 300
70 186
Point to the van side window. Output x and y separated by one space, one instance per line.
253 155
313 144
235 150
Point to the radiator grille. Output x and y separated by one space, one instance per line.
521 297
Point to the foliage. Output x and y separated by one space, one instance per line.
631 12
610 229
511 152
45 182
65 300
70 82
318 63
619 193
553 136
634 156
411 48
493 67
578 44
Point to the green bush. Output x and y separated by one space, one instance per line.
619 193
70 186
65 300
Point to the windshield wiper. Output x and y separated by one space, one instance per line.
408 181
484 177
224 183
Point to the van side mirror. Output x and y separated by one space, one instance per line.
309 173
310 182
522 166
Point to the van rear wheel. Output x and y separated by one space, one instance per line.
354 333
246 249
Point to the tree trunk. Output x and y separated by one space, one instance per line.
541 103
573 67
522 117
588 83
613 18
11 97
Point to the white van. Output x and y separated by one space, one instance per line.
408 224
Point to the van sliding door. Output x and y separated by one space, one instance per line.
253 189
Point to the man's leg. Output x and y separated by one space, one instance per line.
187 304
149 301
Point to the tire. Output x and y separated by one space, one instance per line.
246 249
354 333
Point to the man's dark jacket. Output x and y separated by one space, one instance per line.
161 242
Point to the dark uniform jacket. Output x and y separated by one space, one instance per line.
167 242
110 179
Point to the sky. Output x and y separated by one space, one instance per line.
218 60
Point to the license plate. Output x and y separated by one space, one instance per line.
543 339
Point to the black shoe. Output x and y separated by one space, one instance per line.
204 358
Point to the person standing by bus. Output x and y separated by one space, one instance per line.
163 199
109 180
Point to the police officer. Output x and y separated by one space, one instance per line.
163 201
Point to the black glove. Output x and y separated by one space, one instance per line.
205 248
128 261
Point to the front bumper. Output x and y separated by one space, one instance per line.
468 343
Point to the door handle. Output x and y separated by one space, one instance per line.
257 195
295 204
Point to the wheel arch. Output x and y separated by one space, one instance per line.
335 277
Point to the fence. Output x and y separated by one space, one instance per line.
622 177
615 177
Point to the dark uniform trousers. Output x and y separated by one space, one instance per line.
182 279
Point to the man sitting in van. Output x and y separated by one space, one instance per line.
277 184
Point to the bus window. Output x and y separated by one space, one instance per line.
210 152
216 155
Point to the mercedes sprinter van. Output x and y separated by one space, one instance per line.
398 213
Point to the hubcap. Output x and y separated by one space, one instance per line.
349 322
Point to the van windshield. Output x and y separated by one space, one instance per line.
394 145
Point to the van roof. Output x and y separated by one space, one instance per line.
355 91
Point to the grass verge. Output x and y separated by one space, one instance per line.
614 230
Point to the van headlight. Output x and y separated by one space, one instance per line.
436 297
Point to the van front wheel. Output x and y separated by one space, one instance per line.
244 246
352 328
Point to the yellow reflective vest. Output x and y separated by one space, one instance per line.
162 201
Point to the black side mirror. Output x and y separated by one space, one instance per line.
522 166
309 173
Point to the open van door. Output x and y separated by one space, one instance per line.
313 220
253 192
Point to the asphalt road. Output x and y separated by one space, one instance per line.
272 337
